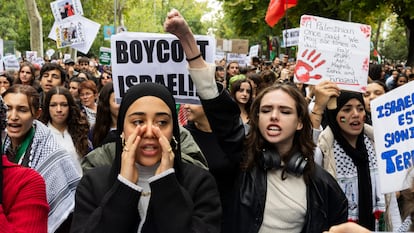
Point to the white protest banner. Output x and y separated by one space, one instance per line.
63 9
290 37
11 62
254 51
90 34
333 50
393 122
240 58
149 57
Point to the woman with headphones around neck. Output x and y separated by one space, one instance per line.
280 188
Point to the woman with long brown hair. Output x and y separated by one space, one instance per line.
66 121
279 188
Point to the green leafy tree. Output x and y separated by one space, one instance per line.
404 9
394 47
135 15
247 16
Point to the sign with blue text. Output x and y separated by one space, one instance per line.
149 57
393 122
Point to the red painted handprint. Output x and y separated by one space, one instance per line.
366 30
303 68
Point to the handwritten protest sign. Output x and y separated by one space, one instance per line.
149 57
393 118
333 50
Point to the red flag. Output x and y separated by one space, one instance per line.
277 9
375 53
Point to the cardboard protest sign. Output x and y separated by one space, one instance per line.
149 57
63 9
393 120
333 50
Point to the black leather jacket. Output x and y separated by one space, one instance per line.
326 203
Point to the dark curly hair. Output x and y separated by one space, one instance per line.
302 141
77 124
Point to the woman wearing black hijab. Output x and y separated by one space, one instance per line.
349 155
148 188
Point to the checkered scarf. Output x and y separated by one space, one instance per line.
57 168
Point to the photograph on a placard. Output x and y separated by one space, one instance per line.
63 9
70 33
31 56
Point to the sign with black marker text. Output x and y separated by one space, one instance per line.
149 57
333 50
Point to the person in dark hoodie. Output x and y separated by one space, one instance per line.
147 188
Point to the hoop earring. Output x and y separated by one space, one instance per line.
122 140
174 143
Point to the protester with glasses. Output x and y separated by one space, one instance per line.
88 94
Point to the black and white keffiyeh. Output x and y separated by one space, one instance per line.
57 167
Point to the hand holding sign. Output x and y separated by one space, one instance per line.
333 50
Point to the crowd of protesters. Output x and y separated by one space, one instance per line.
262 153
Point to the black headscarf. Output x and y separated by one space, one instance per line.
134 93
360 158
